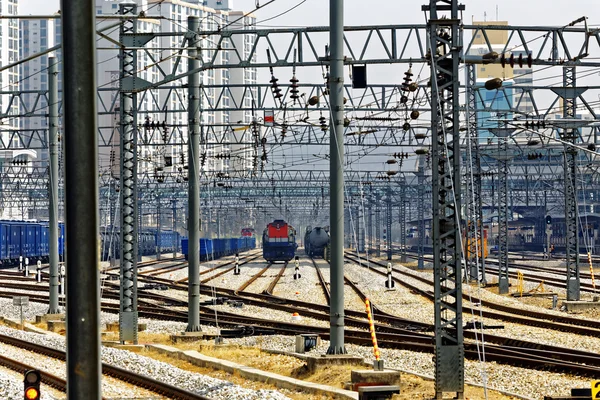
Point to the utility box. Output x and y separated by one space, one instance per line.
306 342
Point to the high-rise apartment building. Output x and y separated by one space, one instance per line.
167 105
37 35
9 79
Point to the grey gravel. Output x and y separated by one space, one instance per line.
201 384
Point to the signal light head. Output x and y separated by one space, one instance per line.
32 382
32 394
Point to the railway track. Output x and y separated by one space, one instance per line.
122 374
554 281
392 331
515 315
46 378
275 280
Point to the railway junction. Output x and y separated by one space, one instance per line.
197 204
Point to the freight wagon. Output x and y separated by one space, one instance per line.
211 249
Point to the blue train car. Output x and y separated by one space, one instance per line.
216 248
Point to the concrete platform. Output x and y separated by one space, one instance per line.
314 363
136 348
49 317
377 392
254 374
385 377
186 337
15 323
580 305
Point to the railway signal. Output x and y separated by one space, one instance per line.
31 382
389 282
236 270
297 269
38 272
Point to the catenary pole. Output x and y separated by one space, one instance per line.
53 186
81 188
336 167
194 116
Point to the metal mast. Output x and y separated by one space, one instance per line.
388 223
444 52
84 370
158 226
194 116
402 220
336 163
502 158
377 224
475 212
421 213
128 314
569 134
176 247
53 184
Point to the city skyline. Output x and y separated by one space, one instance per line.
393 12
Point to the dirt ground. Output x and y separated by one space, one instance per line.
412 387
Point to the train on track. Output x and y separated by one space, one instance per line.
31 240
315 241
26 239
248 232
148 242
279 241
211 249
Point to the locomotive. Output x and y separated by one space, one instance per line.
279 241
247 232
315 241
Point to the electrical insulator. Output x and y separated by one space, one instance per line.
493 84
275 88
294 88
414 114
313 101
323 123
407 79
405 126
489 57
403 99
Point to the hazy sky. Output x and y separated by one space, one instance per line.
364 12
